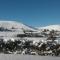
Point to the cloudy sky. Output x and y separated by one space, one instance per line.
31 12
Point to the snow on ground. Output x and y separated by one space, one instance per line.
35 38
26 57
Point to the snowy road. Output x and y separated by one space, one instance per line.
26 57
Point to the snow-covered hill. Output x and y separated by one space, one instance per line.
12 28
14 24
21 26
51 27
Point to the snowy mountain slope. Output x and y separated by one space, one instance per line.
14 24
12 28
51 27
19 27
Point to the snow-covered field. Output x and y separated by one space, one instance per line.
26 57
